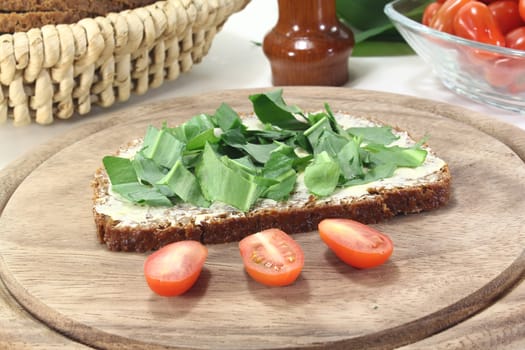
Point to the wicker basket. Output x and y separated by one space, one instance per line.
59 70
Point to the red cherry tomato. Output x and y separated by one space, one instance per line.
272 257
491 1
518 86
507 15
500 73
430 12
174 268
444 18
522 9
474 21
356 244
516 39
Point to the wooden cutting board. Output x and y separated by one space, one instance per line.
447 265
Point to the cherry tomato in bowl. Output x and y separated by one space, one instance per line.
475 21
443 19
356 244
272 257
507 15
173 269
501 73
487 67
516 39
430 12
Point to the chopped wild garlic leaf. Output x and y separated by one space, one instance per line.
216 158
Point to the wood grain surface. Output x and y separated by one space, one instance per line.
451 268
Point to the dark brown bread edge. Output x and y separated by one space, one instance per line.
23 21
99 7
19 16
382 204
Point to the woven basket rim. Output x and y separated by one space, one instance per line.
59 70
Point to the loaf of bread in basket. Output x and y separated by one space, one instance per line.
59 70
19 16
99 7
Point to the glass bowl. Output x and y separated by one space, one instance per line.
485 73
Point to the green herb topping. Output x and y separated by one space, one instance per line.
217 158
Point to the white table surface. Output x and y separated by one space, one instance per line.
234 62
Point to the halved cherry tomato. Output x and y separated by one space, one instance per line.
507 15
430 12
444 18
272 257
174 268
474 21
356 244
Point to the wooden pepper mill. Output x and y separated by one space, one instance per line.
308 45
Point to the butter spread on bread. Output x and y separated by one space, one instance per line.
127 226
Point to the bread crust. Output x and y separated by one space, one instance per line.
99 7
23 21
381 204
20 15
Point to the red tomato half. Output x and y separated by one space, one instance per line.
356 244
272 257
174 268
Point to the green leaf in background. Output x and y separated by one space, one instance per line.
374 33
381 48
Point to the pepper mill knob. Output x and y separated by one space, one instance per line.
308 45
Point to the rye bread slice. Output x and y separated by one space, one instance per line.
98 7
128 227
20 16
23 21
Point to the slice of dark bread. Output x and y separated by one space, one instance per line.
99 7
127 227
23 21
20 16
